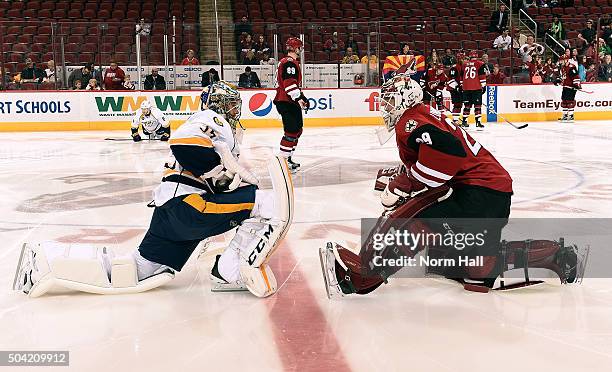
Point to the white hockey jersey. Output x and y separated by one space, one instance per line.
202 129
150 123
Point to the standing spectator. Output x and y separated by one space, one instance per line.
128 84
154 81
557 31
371 63
191 59
448 59
93 85
405 50
433 60
114 77
605 69
246 46
210 77
31 73
587 35
266 60
349 57
77 85
499 19
503 41
582 67
242 29
530 49
50 72
487 65
333 44
261 47
249 79
496 76
351 43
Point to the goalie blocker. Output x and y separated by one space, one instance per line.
47 266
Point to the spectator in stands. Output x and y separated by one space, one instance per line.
93 85
249 79
349 57
530 49
114 77
210 77
587 35
582 67
261 47
536 70
191 59
266 59
591 73
405 50
605 69
250 58
82 74
50 72
351 43
606 29
371 63
128 84
242 29
557 31
31 73
603 48
432 61
333 44
488 65
496 76
449 59
154 81
503 41
574 54
499 19
548 70
246 45
77 85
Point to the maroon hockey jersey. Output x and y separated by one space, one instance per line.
289 78
454 77
571 79
473 75
437 152
434 81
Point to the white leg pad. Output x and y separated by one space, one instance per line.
260 281
86 268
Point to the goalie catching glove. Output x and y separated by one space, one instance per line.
228 175
399 189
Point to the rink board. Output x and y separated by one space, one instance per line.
113 110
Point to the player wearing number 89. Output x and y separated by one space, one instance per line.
474 82
290 100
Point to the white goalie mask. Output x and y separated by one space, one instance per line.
396 96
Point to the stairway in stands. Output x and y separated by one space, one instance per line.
208 39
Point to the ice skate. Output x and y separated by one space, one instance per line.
328 266
222 285
293 166
479 126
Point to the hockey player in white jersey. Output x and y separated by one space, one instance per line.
153 122
204 192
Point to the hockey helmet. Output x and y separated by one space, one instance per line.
224 99
396 96
460 56
294 44
146 106
473 54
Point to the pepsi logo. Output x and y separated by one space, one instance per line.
260 104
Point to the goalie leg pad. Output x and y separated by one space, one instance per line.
260 281
84 268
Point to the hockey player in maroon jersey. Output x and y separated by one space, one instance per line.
473 82
453 85
290 100
445 174
571 82
433 84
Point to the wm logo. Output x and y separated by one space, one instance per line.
165 103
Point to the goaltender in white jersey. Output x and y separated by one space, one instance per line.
204 192
153 122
